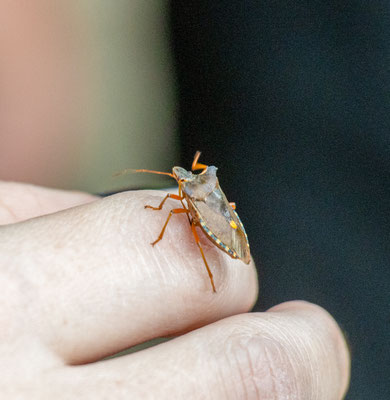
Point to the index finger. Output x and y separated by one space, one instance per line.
96 285
21 201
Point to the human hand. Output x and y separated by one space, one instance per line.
84 283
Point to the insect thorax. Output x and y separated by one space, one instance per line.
198 187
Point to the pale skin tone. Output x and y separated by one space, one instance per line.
83 283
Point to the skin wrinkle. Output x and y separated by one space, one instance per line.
296 360
137 243
12 300
9 210
27 287
198 383
324 349
203 359
236 345
252 373
295 343
164 264
162 270
271 371
306 355
238 366
289 365
7 207
223 379
160 258
293 366
180 238
285 341
37 203
138 249
233 347
306 352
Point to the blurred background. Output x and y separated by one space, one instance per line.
87 89
291 100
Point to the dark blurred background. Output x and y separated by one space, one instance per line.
291 100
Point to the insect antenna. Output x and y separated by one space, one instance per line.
149 171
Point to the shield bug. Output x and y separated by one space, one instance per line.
207 208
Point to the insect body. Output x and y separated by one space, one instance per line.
207 208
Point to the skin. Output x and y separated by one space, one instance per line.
83 283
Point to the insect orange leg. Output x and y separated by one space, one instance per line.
174 211
169 195
203 256
233 205
195 164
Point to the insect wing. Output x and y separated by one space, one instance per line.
222 224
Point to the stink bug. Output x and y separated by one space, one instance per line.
207 208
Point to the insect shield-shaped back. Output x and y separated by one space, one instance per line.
213 213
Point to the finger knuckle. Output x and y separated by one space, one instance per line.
262 369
